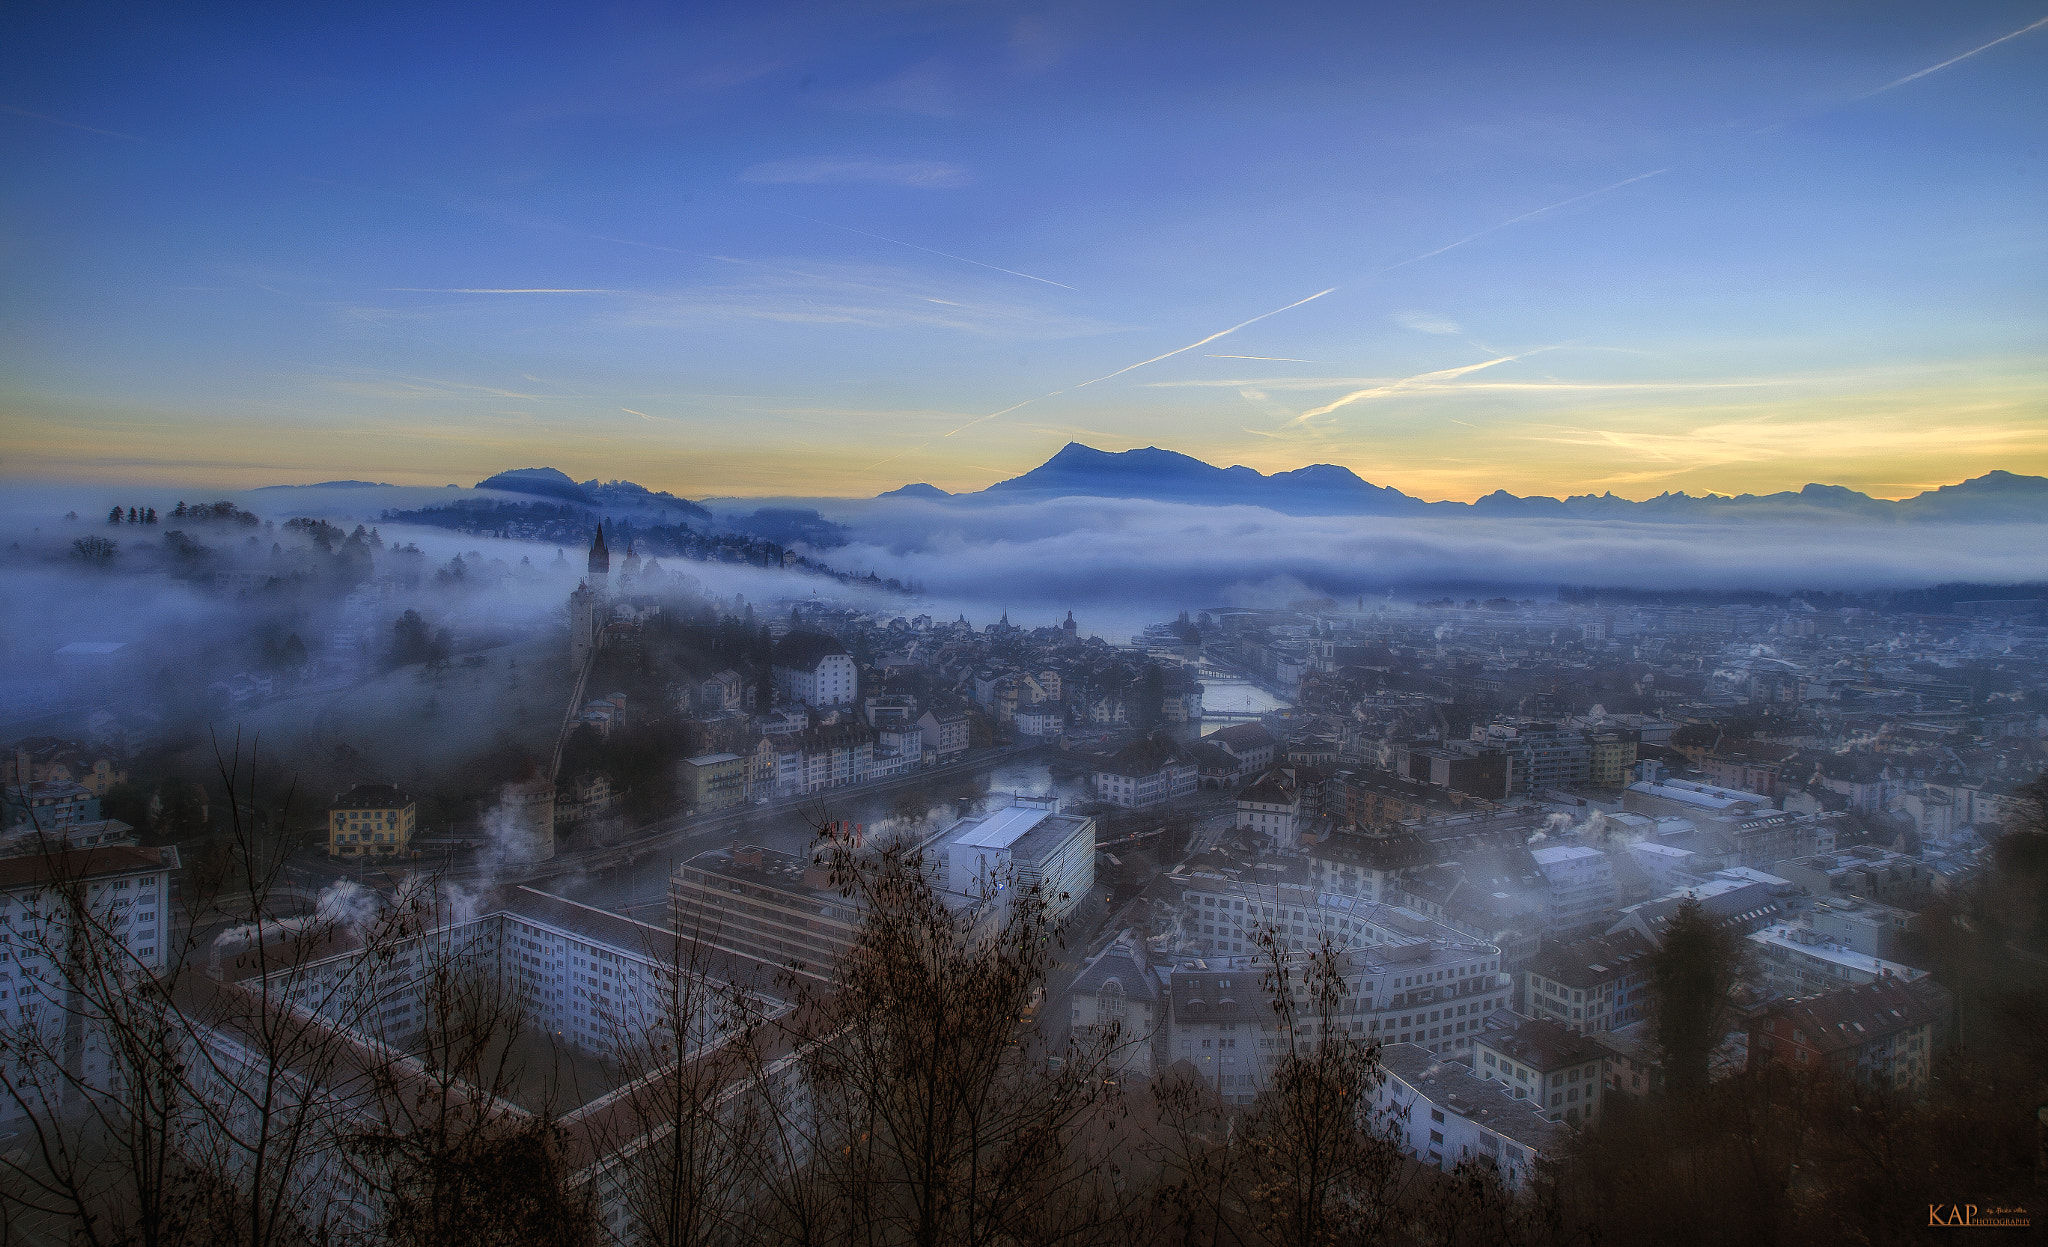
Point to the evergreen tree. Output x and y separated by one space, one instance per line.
114 516
411 642
1692 975
1148 702
178 512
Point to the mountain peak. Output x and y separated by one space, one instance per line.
917 490
544 482
1160 475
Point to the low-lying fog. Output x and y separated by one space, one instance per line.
1093 549
1118 564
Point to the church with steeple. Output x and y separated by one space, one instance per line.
590 604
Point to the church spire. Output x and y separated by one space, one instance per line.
600 558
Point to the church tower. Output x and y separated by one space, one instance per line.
587 612
600 563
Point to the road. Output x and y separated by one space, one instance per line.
593 874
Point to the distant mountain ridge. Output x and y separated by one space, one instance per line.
611 497
1328 489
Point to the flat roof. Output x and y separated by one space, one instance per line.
1836 954
1707 796
1661 850
1563 853
1003 828
706 759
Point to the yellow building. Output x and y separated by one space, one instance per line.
713 781
1613 755
370 820
61 760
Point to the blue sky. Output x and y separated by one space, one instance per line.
773 249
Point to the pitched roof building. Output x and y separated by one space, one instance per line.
1880 1033
1146 772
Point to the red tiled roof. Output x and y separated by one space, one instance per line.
30 869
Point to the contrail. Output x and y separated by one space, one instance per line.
1515 220
915 247
1211 338
1004 412
1953 59
59 121
899 454
1418 381
1155 359
495 290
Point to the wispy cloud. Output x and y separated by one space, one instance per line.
1918 74
72 125
926 174
926 89
1278 359
410 388
1426 322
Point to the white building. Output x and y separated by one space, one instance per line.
126 891
1445 1113
1558 1070
815 669
945 735
1800 961
1581 887
1667 866
1250 743
898 747
1042 721
1018 847
595 978
1146 773
1409 979
1270 807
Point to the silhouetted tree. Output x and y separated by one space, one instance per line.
95 551
1148 700
1692 976
411 641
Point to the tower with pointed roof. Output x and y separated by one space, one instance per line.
588 611
600 563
